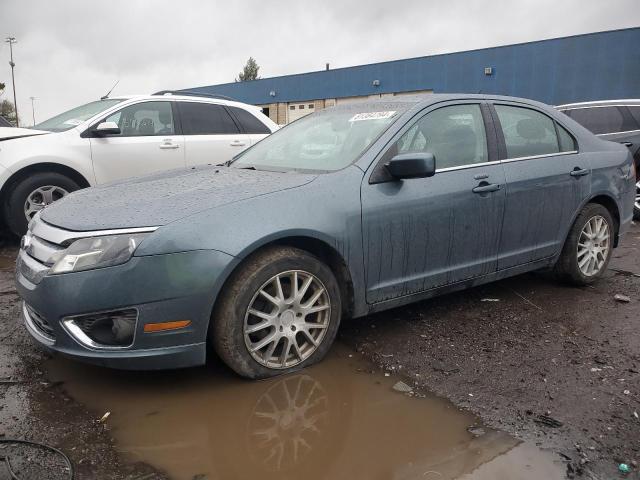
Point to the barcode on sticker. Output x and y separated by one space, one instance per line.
371 116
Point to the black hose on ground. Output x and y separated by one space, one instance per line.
38 445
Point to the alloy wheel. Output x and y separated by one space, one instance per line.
593 246
287 319
41 197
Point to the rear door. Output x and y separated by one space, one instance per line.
211 134
249 124
547 181
425 233
148 142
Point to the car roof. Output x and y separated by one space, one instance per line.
600 103
427 99
190 98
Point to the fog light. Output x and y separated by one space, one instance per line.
113 329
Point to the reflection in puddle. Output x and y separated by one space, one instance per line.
329 421
286 422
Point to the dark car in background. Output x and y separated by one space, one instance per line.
614 120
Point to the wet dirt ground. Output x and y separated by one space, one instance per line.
551 364
543 379
336 420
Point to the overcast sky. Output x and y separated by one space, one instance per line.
71 52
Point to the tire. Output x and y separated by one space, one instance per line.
568 267
230 332
14 207
636 205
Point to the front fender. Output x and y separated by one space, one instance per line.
66 149
327 210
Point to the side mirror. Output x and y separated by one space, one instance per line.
107 128
412 165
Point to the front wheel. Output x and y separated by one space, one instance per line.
278 313
587 250
32 194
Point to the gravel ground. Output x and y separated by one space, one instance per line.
549 363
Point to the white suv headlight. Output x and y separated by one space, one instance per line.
96 252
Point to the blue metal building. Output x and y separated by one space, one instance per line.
594 66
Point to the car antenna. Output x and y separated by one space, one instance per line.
109 92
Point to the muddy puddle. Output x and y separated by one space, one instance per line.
337 420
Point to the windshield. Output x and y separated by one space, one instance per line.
76 116
325 141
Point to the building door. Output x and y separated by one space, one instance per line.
299 110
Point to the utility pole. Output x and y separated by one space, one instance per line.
11 41
33 110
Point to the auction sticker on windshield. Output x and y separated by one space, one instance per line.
371 116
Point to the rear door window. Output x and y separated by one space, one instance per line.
206 119
527 132
599 120
248 122
567 142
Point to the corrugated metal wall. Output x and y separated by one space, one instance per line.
604 65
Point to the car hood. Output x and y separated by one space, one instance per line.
165 197
7 133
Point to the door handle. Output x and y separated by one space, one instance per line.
486 188
167 144
579 172
237 143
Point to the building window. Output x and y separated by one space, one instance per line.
292 107
300 107
311 105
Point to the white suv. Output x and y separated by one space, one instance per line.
115 138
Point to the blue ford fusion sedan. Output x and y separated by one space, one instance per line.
350 210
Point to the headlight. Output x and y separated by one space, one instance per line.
96 252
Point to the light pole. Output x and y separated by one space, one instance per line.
33 110
11 41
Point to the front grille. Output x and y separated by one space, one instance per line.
40 323
38 246
41 249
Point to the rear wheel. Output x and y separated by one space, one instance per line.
279 313
588 247
636 205
32 194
